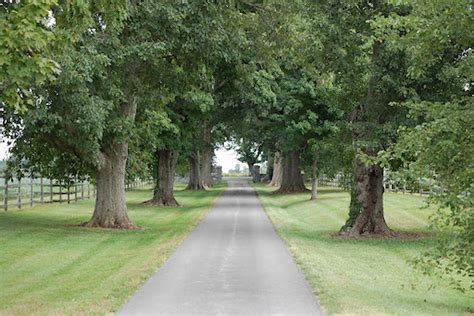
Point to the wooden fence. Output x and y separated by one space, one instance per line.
18 193
392 183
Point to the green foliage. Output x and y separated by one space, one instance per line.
441 146
303 113
436 141
62 132
24 50
32 32
248 151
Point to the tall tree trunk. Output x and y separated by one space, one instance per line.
195 181
206 163
269 173
110 209
292 179
256 173
163 194
314 179
250 166
277 170
366 214
206 155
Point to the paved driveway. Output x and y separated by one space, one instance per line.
233 263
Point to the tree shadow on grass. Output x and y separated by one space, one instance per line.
329 190
307 201
62 221
39 224
331 237
186 199
323 193
182 208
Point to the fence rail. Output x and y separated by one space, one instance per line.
18 193
422 186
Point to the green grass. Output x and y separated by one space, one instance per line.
49 268
362 277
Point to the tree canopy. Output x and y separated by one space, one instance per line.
113 90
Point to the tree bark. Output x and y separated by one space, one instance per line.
110 208
256 174
292 179
195 180
314 178
206 163
366 213
163 194
269 173
277 171
250 166
206 156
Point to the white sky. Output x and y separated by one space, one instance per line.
227 159
3 149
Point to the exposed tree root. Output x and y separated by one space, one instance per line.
128 225
381 236
196 187
171 202
291 189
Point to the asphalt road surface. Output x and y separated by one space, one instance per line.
233 263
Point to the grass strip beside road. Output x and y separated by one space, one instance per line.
362 277
49 267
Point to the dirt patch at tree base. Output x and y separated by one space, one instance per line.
162 203
392 236
284 191
89 225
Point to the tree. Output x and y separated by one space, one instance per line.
82 123
303 116
207 154
248 152
277 170
163 194
196 141
370 75
436 141
248 97
158 146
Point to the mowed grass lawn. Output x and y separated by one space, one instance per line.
362 277
47 267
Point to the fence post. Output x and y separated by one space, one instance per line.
60 193
75 190
88 190
5 198
18 198
31 189
51 190
82 190
68 192
41 191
